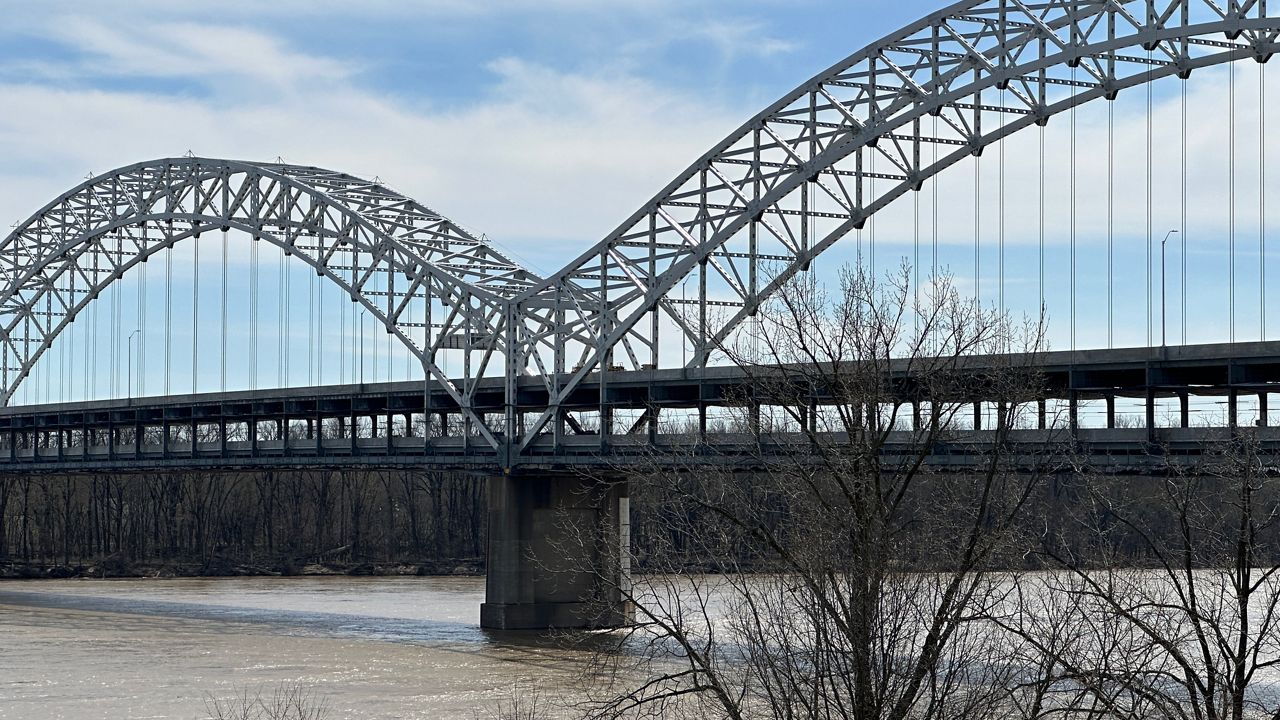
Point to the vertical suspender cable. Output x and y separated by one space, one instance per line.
115 334
253 313
1001 206
69 350
1182 235
342 343
195 314
357 331
91 344
1262 203
977 229
1151 203
915 262
223 368
1041 188
1231 200
1151 162
318 283
934 223
286 341
48 369
142 331
859 253
117 321
1073 210
62 360
320 335
1111 214
311 329
67 344
871 228
283 301
168 317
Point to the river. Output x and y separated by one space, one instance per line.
372 647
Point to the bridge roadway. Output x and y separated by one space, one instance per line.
155 433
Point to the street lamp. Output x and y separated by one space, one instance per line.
129 347
1162 317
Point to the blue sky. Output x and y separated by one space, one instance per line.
609 100
544 124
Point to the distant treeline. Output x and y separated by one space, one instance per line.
213 522
218 523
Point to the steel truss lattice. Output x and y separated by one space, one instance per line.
431 283
758 208
745 218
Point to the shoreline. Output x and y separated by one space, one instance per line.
111 568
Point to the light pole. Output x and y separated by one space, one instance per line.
1162 322
129 348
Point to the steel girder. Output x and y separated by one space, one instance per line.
759 207
431 283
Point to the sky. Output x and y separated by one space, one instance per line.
543 125
540 124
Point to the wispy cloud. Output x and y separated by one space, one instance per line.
539 157
203 52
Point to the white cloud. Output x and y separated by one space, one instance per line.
542 154
221 54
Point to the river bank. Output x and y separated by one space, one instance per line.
116 568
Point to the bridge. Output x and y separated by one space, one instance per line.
398 425
530 378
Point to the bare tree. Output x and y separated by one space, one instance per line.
1177 610
846 576
7 484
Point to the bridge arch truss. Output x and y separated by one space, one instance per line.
425 279
758 208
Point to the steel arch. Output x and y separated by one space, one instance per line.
760 206
430 282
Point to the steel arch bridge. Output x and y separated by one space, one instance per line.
742 220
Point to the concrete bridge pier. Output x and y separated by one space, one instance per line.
559 551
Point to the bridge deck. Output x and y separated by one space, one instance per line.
373 425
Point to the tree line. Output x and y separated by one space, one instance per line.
269 520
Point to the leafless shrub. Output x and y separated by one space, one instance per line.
521 703
286 701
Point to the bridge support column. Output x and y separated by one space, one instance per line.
1263 420
1150 408
558 552
1184 410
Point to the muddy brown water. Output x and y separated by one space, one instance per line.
371 647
